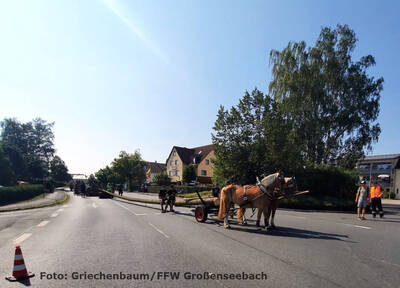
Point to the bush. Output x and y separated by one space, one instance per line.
15 194
162 178
322 203
328 181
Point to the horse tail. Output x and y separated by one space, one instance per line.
222 204
240 214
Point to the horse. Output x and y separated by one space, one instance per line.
289 189
250 196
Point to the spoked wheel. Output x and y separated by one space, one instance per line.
200 213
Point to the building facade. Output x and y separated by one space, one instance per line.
153 168
200 157
385 169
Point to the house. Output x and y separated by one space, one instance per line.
200 157
153 168
383 168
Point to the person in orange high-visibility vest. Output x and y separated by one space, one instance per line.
375 194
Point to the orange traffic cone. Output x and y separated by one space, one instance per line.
19 270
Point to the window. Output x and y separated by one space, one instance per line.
203 173
176 162
170 173
207 162
174 153
170 163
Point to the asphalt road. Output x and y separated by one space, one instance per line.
91 235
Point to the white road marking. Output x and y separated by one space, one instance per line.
358 226
142 214
94 205
157 213
158 230
60 210
65 206
54 215
125 208
43 223
22 238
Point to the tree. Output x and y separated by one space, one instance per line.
130 168
162 179
252 139
34 141
6 171
58 170
104 176
189 173
331 100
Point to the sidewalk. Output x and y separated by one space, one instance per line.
50 199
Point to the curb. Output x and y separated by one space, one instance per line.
55 202
179 202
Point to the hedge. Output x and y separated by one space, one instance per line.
15 194
328 182
179 188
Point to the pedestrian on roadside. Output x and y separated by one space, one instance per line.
171 198
162 195
120 190
376 194
215 191
109 187
83 189
71 186
362 199
113 188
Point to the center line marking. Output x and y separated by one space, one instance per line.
22 238
358 226
94 205
60 210
43 223
54 215
158 230
65 206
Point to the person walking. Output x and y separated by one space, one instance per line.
83 189
120 190
376 202
215 191
162 195
362 199
171 198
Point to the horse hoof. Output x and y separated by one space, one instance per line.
227 227
244 223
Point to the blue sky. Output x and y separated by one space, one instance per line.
126 75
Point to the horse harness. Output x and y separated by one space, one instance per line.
270 196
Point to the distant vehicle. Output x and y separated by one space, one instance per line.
193 183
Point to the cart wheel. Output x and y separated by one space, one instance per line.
200 213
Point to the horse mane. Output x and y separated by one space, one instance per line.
270 179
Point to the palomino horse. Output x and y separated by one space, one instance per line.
290 189
250 196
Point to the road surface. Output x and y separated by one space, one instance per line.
110 236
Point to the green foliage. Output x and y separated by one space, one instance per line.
126 168
14 194
189 173
29 147
252 139
58 170
321 111
162 179
318 203
328 181
180 188
6 171
332 102
130 168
